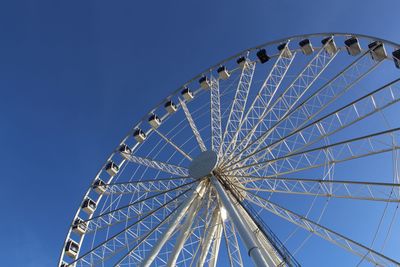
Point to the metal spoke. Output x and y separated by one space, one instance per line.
315 103
121 239
145 186
262 102
238 106
193 126
159 165
177 148
292 94
216 130
331 123
387 192
129 211
324 232
363 146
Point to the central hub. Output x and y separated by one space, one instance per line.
203 164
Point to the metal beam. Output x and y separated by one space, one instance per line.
247 236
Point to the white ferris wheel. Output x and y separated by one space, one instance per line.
254 158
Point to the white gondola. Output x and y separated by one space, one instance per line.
223 73
306 47
112 168
154 121
79 226
125 151
170 107
187 94
285 51
139 135
262 56
204 83
330 45
64 264
241 61
71 248
352 46
89 206
377 50
396 58
99 186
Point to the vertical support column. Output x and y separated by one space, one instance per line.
216 244
211 229
198 192
245 233
184 233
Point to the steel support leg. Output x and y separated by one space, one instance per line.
247 236
184 233
173 224
211 229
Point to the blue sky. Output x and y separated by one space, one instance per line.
75 76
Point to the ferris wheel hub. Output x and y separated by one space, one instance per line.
203 164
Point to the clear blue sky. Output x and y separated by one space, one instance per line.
75 76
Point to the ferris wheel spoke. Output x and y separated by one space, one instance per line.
193 126
215 112
158 185
238 106
387 192
169 141
333 122
315 104
119 241
363 146
159 165
263 99
324 232
288 99
132 210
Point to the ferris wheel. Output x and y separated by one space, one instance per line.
284 144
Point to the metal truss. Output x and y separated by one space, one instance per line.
331 123
169 141
216 128
216 244
311 107
387 192
143 203
324 232
159 165
128 236
261 103
238 107
232 244
368 145
193 126
284 103
159 185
